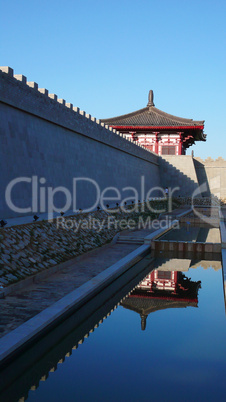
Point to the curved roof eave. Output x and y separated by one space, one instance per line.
148 114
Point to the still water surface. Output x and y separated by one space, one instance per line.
180 356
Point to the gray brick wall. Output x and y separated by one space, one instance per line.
40 136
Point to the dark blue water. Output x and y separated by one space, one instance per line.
180 356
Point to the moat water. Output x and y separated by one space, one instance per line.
164 342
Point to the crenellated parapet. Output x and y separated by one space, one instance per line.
26 95
209 161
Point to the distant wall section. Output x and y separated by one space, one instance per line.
194 176
211 176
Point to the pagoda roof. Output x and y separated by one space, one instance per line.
147 305
146 302
150 116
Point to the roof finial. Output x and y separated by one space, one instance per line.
143 321
151 98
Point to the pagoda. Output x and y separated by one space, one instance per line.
158 131
161 290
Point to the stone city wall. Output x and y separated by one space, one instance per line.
46 137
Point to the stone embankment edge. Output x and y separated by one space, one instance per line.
30 280
37 325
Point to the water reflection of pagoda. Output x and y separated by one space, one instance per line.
161 290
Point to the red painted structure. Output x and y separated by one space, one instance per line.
158 131
173 282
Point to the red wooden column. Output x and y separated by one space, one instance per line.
133 134
156 148
180 144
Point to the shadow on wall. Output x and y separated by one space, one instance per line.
179 172
202 177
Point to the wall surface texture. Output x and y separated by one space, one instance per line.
44 137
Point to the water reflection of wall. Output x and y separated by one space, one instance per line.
173 263
160 290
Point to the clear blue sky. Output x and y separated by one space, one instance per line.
104 56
